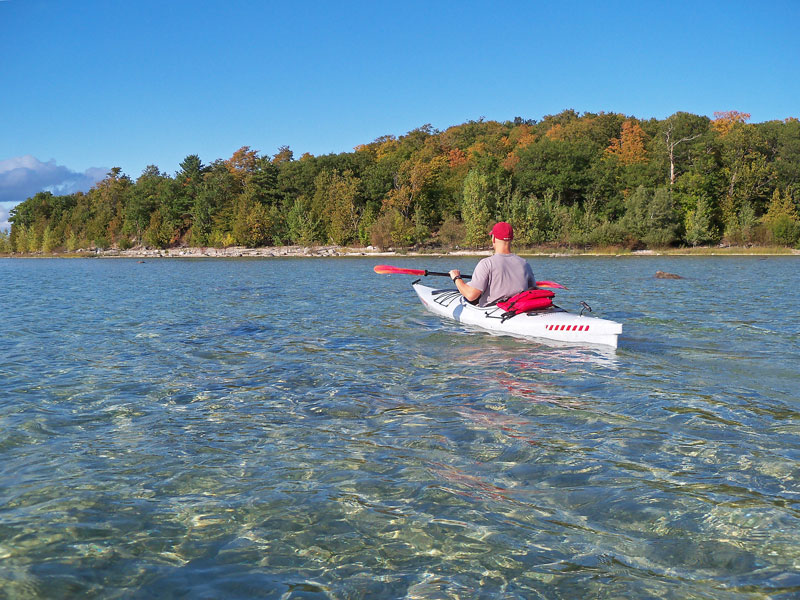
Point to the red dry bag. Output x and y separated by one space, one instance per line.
527 301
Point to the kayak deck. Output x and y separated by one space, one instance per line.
553 323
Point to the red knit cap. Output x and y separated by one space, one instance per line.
503 231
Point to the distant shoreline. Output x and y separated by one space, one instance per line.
340 251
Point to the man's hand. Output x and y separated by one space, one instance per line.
469 292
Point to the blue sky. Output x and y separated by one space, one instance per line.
89 85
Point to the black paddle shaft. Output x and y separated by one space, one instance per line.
440 274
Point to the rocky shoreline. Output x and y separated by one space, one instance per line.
142 252
265 252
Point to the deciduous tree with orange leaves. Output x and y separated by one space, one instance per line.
725 120
629 147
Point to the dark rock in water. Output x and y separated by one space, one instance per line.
664 275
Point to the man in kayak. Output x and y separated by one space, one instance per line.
498 276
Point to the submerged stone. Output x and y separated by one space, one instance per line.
665 275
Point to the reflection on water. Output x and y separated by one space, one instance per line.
216 429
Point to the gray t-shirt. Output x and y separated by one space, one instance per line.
501 276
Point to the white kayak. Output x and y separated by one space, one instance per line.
552 323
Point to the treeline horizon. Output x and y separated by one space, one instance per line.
573 180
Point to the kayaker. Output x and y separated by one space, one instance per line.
498 276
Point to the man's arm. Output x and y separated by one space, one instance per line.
531 277
469 292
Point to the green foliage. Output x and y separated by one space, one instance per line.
559 166
421 222
539 221
303 226
392 229
403 230
651 217
72 242
19 238
748 173
49 240
368 218
5 242
159 233
452 233
662 223
221 239
475 210
336 200
381 231
33 239
782 220
202 221
570 179
583 224
742 227
699 224
785 231
252 224
608 234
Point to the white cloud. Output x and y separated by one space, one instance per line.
23 176
4 224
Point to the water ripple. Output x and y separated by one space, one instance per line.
228 429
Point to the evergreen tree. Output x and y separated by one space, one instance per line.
651 217
303 227
474 209
699 224
661 225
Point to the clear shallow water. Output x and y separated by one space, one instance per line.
304 429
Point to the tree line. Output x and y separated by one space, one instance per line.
578 180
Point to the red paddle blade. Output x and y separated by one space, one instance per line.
550 284
389 270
